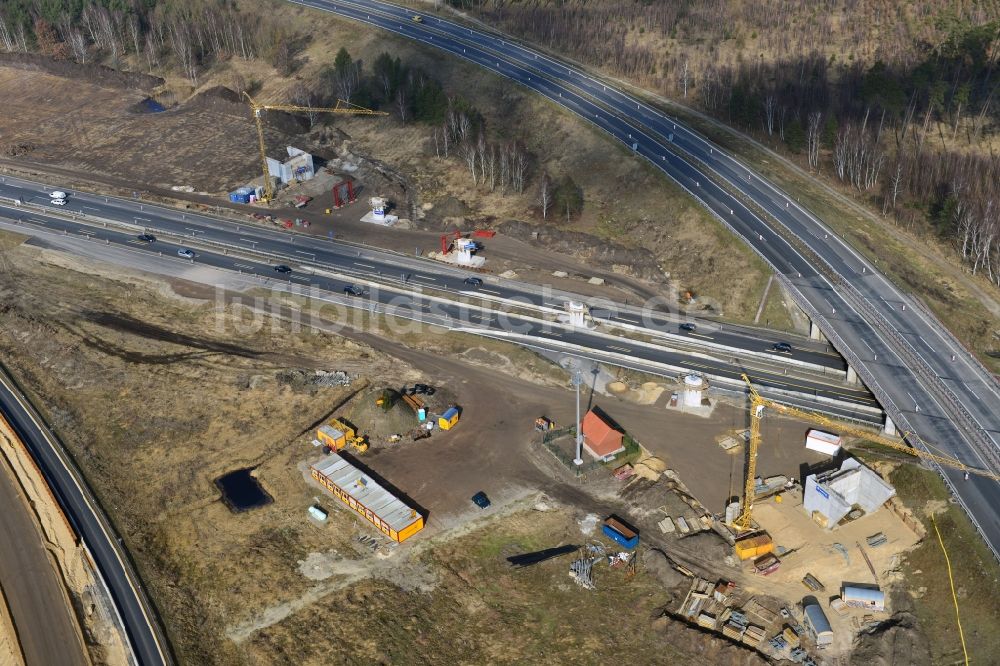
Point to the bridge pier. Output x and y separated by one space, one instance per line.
852 376
889 428
815 333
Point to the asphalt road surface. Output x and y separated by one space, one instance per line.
383 265
141 625
46 629
613 349
927 382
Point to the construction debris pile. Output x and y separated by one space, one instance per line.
718 606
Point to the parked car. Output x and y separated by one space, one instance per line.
146 238
281 268
474 281
352 290
186 253
782 347
688 326
58 202
481 500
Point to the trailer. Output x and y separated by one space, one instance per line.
615 530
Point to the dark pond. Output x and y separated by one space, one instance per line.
241 490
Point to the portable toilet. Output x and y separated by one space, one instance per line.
422 414
332 437
449 419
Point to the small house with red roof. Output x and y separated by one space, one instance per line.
601 439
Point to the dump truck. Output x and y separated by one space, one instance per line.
337 434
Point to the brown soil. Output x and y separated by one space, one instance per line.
640 230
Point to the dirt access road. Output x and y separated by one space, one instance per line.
489 448
39 607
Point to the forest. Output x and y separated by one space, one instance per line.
896 101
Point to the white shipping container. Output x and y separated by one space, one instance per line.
823 442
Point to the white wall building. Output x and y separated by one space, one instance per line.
298 166
831 495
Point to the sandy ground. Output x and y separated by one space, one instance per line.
159 392
49 557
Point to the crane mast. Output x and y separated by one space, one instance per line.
342 107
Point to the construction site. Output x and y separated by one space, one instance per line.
267 469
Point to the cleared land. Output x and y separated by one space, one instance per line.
158 394
636 224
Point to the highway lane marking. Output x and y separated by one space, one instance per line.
245 266
425 278
311 254
925 342
489 291
631 321
969 386
621 349
358 263
699 335
299 277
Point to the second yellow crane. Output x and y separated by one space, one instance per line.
758 404
342 107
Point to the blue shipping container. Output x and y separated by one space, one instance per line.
239 197
615 535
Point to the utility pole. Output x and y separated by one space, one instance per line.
577 380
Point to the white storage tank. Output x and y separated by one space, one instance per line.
694 385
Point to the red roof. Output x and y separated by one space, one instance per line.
600 439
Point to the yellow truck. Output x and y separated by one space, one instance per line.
337 434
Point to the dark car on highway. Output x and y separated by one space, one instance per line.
783 347
481 500
281 268
688 326
146 238
474 281
352 290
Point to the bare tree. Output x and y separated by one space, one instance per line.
402 104
545 196
770 105
303 96
812 137
685 77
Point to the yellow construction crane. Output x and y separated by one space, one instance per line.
342 107
758 404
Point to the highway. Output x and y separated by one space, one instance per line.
927 382
87 519
42 616
382 265
656 356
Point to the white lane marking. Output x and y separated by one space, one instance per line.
424 278
969 386
358 263
621 349
245 266
489 291
925 342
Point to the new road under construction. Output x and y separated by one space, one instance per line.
287 405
